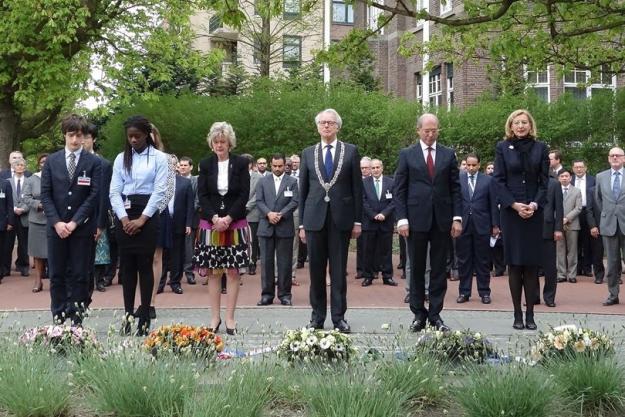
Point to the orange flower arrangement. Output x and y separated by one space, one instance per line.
184 340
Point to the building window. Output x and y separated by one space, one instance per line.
374 15
576 83
436 92
257 53
539 82
214 23
450 85
445 6
419 86
420 5
291 8
291 51
342 12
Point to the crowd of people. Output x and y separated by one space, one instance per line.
147 220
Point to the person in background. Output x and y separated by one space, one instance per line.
365 171
37 238
223 244
253 216
138 188
20 230
7 219
185 169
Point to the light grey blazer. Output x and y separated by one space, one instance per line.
267 201
31 199
252 212
18 200
572 207
612 211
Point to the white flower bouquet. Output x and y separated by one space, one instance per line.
569 340
61 338
456 346
309 344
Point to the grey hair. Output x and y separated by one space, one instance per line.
425 116
18 161
365 159
377 160
222 129
339 121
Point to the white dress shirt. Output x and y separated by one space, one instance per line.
76 152
580 183
276 182
222 177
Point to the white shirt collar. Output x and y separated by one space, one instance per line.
424 147
76 152
377 179
613 171
333 143
276 178
146 151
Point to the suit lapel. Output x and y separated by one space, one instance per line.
79 166
420 159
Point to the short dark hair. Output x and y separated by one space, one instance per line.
74 123
92 130
472 155
40 157
556 154
187 159
277 156
250 158
576 161
563 170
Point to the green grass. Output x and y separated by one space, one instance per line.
33 383
514 391
591 386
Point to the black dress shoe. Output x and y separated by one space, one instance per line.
573 280
299 265
264 302
407 298
152 312
417 325
100 287
598 280
342 326
251 270
286 302
390 281
358 275
24 271
462 298
611 301
486 299
561 280
366 282
191 280
441 326
550 304
160 289
177 289
315 325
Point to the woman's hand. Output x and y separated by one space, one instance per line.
524 210
132 227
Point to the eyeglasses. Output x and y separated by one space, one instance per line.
326 122
428 131
615 155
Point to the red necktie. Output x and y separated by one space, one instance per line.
430 162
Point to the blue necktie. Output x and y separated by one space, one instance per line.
616 186
329 163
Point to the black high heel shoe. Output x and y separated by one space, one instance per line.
232 331
216 329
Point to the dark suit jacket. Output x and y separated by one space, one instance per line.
372 206
590 184
511 185
18 200
266 201
554 212
417 196
6 174
593 211
105 201
183 205
238 188
481 210
345 196
7 215
64 200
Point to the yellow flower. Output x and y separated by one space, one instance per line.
580 346
558 343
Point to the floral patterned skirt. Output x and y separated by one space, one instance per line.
217 252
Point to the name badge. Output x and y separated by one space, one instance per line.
127 204
288 193
84 180
2 195
389 195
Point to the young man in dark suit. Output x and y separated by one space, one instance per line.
70 187
480 220
377 225
7 220
429 208
277 197
181 210
330 212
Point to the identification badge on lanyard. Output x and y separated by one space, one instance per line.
84 179
389 195
127 204
3 195
288 193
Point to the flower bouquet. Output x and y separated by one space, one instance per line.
183 340
568 341
456 346
309 344
61 338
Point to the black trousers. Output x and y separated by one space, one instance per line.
550 271
328 247
402 252
377 247
359 257
69 261
255 245
21 233
281 250
417 253
473 252
584 249
173 260
497 255
137 267
302 252
5 255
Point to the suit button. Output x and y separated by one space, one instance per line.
69 207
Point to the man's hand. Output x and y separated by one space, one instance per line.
61 229
98 233
9 227
557 236
456 229
302 235
380 217
565 221
187 231
594 232
356 231
274 217
18 211
495 231
403 230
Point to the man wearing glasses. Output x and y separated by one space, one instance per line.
428 207
610 202
330 213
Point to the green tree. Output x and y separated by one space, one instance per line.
49 48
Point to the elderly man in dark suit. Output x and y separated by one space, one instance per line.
429 209
377 225
330 212
70 186
480 218
7 219
277 197
20 229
